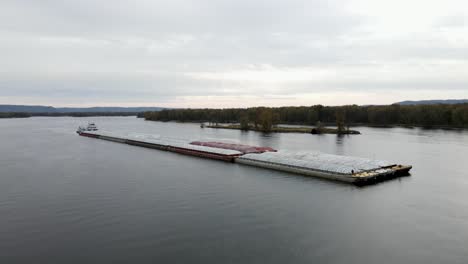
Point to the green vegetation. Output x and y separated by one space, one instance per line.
265 119
14 115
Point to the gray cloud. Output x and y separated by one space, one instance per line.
172 52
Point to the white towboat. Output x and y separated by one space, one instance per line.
90 127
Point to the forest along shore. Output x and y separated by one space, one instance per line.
429 116
14 115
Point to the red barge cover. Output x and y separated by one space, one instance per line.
239 147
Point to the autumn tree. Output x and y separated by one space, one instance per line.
244 122
266 119
340 120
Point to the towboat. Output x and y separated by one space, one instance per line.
89 127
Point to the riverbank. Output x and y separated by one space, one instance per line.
408 115
14 115
282 129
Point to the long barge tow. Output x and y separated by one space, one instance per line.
359 171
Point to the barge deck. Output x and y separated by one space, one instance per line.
359 171
167 144
334 167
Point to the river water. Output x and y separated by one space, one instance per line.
71 199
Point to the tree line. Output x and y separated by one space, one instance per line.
439 115
14 115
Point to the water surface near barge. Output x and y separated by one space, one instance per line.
71 199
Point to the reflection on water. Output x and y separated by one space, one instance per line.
70 199
339 144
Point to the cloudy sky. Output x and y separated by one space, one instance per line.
238 53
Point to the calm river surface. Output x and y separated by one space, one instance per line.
71 199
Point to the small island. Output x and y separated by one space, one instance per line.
267 122
287 129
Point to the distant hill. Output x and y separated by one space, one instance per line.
27 109
432 102
50 109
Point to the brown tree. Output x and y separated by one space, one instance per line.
266 119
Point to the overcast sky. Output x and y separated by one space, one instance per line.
238 53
